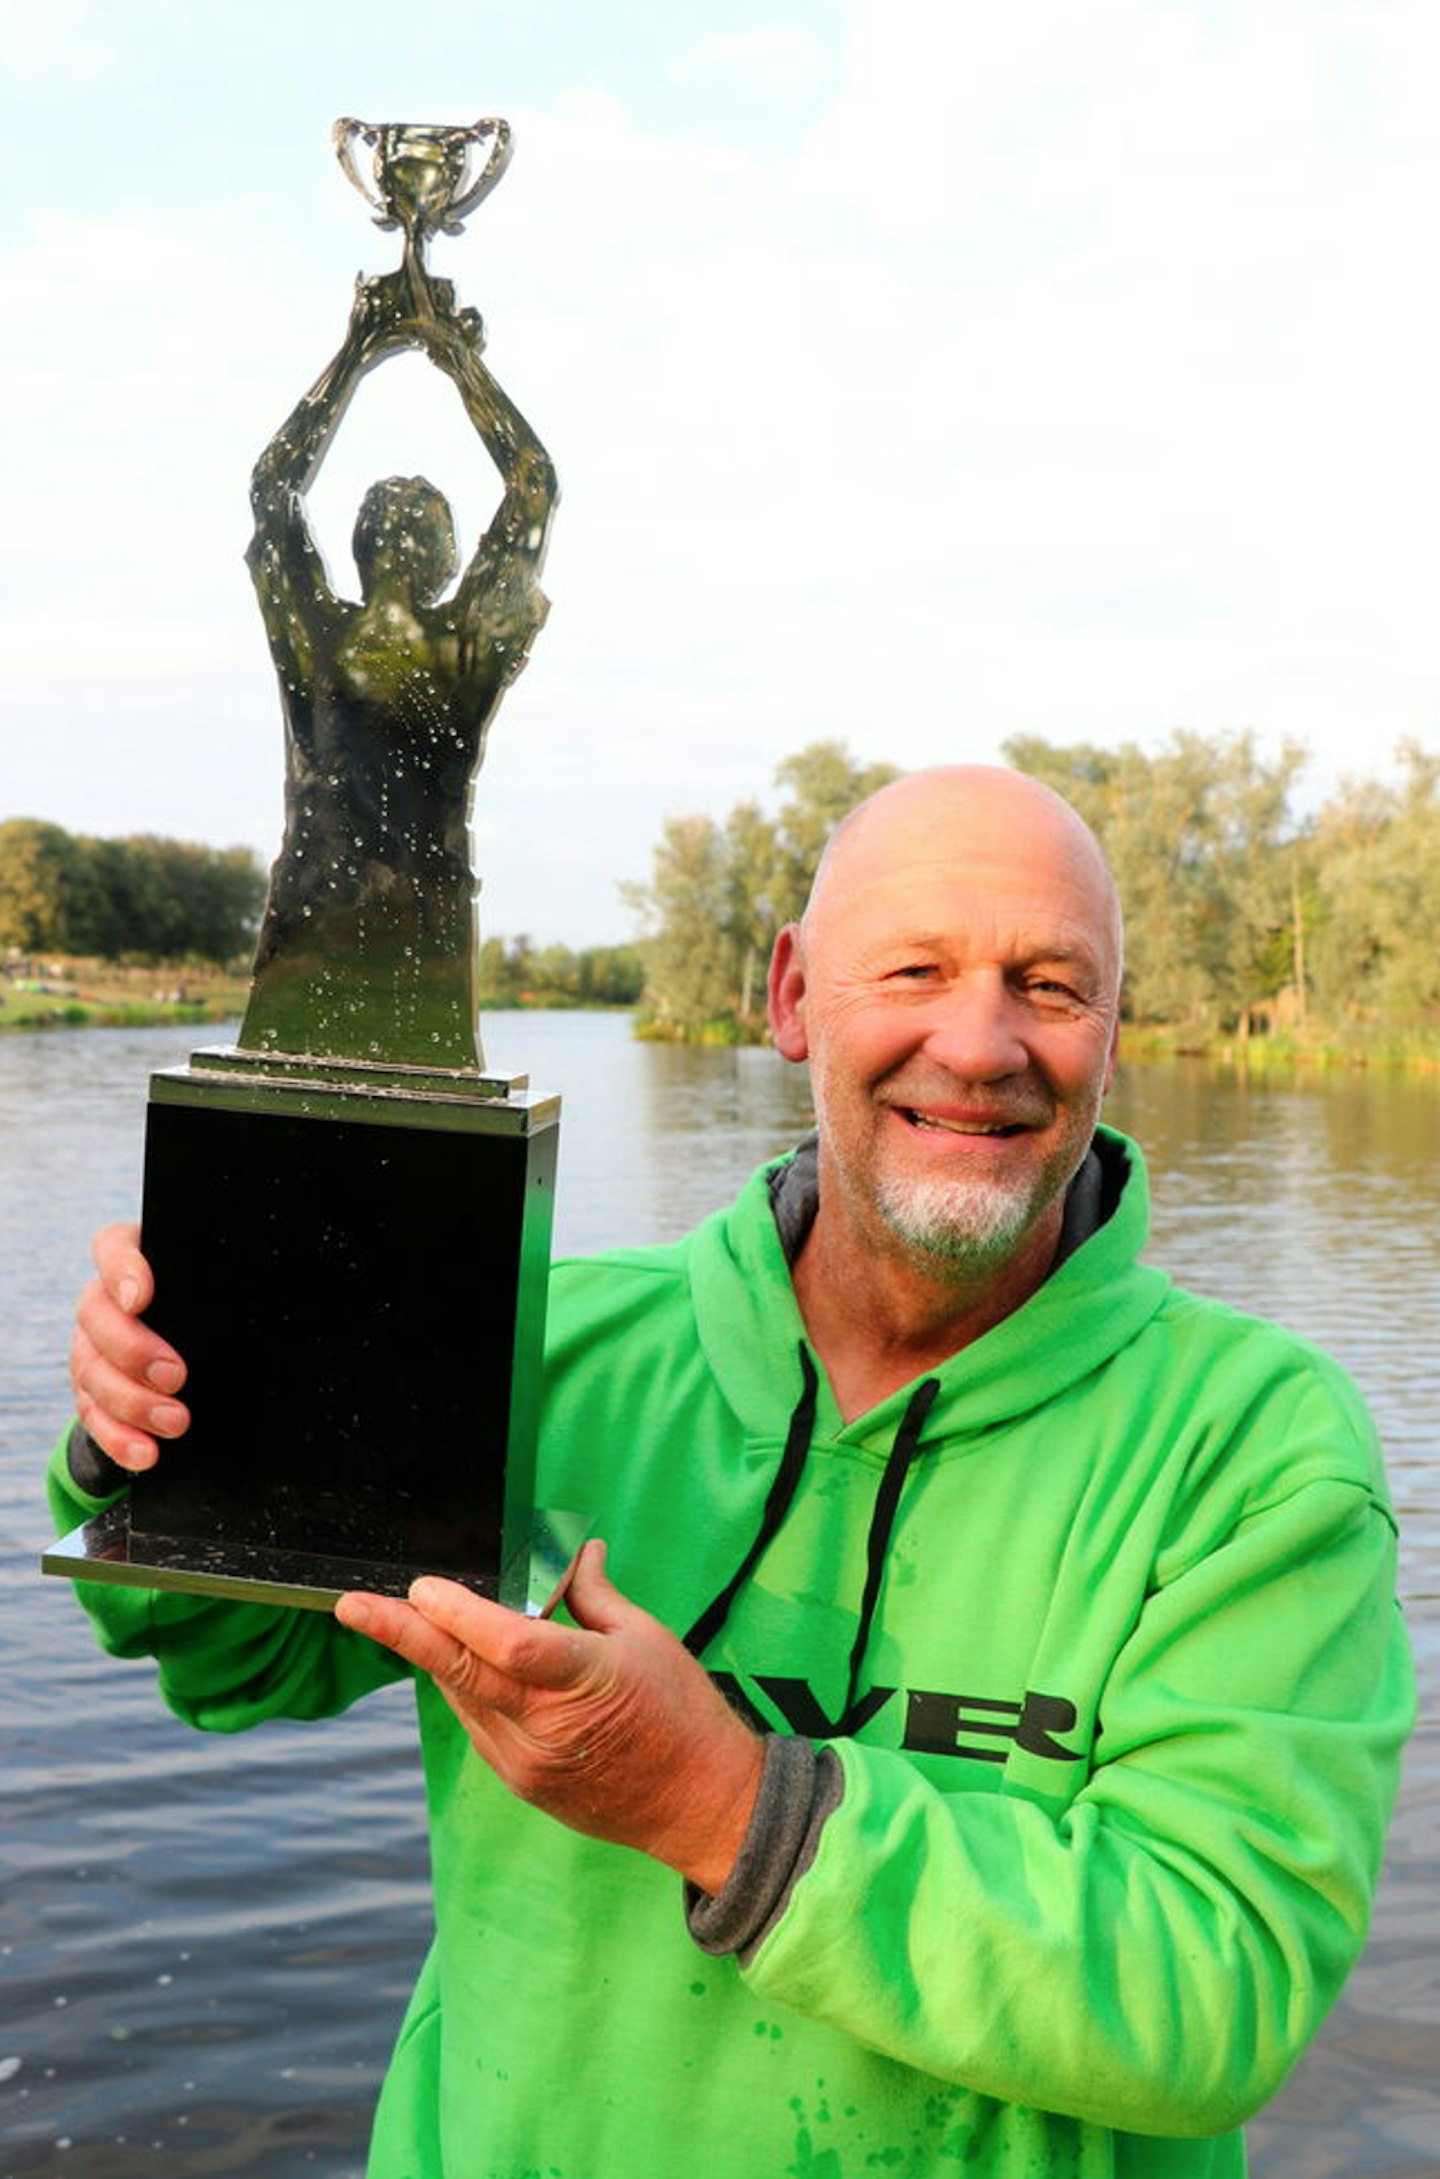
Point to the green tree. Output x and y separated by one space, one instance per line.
165 899
611 975
1199 836
1374 867
150 898
754 910
693 964
513 972
38 867
821 783
719 893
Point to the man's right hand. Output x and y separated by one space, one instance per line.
124 1376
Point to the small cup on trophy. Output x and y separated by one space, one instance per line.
422 177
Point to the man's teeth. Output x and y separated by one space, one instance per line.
962 1127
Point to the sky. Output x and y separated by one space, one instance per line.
919 373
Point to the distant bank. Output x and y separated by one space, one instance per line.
101 995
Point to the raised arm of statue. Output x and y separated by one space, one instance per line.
288 465
520 527
285 563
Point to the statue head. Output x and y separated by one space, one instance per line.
406 525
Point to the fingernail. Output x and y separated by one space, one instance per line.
168 1421
424 1590
129 1292
165 1376
353 1611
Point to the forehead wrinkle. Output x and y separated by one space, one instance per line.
1056 880
936 903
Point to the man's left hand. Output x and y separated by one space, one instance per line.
610 1725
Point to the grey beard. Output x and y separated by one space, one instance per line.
965 1224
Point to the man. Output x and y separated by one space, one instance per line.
1031 1796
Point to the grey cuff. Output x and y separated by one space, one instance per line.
800 1787
91 1468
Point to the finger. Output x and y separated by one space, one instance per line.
457 1669
528 1653
102 1390
124 1273
128 1345
127 1447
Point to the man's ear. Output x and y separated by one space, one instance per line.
1114 1052
787 995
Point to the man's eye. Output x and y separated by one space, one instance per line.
913 971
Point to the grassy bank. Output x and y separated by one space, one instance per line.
1322 1048
103 995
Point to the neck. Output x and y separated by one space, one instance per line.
389 590
878 1317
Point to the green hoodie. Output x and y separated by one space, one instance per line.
1112 1667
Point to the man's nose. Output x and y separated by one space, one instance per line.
975 1029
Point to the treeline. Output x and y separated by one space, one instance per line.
1244 917
142 899
147 900
516 972
718 893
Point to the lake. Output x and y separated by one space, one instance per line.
206 1945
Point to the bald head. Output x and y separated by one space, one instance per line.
985 827
954 989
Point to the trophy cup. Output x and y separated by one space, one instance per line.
348 1218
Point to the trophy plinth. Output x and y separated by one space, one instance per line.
347 1216
354 1266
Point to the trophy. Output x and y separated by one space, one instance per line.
348 1217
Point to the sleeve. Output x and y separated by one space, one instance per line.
222 1666
1155 1955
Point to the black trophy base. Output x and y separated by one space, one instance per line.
354 1266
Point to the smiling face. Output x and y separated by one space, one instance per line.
954 987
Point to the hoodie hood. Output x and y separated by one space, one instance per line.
1095 1303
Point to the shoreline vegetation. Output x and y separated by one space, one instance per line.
90 994
85 994
102 995
1260 935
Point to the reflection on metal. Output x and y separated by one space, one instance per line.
368 945
109 1549
227 1078
223 1080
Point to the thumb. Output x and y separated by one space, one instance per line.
124 1273
592 1599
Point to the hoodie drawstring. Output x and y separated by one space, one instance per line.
882 1521
778 1503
